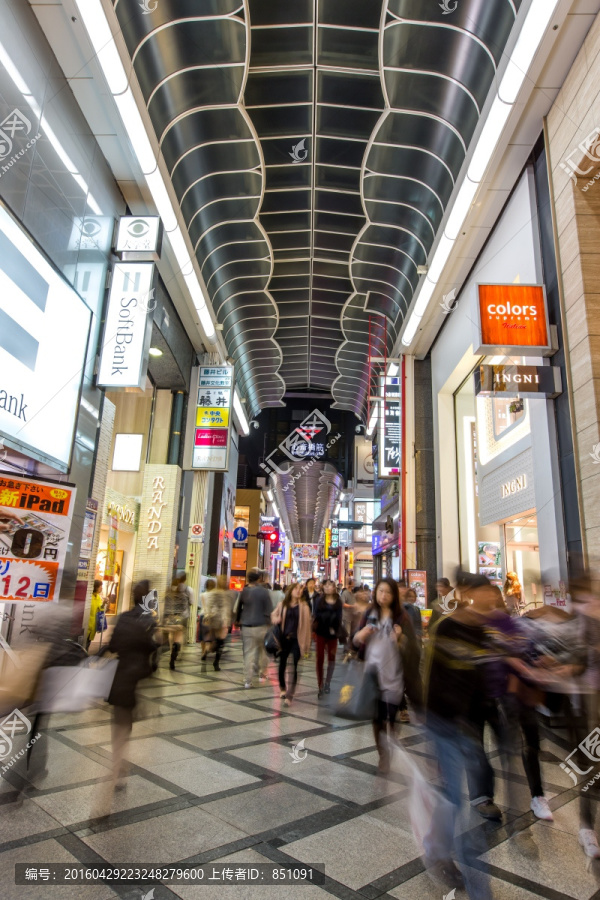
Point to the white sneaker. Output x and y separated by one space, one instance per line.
541 810
589 842
247 684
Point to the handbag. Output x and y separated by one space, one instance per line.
273 641
342 635
355 694
75 688
101 623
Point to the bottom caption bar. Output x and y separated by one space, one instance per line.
261 873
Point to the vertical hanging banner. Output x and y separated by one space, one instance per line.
391 441
35 520
128 327
213 418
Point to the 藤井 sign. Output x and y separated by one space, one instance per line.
35 520
213 418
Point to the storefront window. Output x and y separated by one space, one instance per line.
506 413
523 557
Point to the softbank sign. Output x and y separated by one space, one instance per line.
128 328
44 328
513 316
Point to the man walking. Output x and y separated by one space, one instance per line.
254 615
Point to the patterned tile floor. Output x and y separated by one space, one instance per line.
212 780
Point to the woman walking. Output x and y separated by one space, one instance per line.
327 622
387 642
217 616
293 617
134 641
176 612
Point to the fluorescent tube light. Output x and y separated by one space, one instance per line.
535 25
488 139
137 134
239 411
102 40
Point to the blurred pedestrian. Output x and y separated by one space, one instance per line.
217 617
254 615
327 621
134 640
176 611
293 617
387 643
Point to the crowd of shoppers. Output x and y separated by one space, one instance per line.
483 672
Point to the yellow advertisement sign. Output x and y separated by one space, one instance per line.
327 542
212 417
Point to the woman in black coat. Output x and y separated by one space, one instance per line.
134 641
327 621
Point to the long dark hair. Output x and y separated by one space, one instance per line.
322 603
396 608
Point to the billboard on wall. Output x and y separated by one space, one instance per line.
35 520
128 327
44 327
513 317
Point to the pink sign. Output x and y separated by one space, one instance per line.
211 437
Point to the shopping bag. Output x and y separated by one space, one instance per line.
101 623
19 675
355 693
431 814
273 641
75 688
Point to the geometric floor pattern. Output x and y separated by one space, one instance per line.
211 779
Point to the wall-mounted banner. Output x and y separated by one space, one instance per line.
127 328
305 551
390 446
513 317
35 520
138 238
213 418
40 368
364 466
502 381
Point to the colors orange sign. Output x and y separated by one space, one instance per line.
513 316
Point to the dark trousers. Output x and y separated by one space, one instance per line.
329 644
522 732
480 778
289 647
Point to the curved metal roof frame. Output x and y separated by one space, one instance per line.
314 148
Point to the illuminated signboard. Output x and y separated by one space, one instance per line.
213 418
390 441
513 316
44 328
127 328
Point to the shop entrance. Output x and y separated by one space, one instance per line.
522 554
